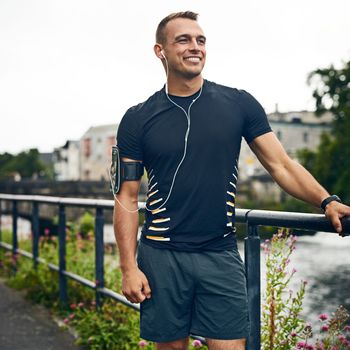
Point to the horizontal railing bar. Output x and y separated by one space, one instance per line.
256 217
118 297
6 245
77 202
80 279
317 222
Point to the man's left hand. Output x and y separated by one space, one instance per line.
334 212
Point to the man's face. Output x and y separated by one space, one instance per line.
184 48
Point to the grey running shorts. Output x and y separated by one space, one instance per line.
201 293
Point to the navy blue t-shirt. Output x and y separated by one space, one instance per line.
200 213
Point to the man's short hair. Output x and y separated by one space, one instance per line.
160 33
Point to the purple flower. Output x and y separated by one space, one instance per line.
46 231
301 345
143 343
347 328
323 317
293 334
197 343
66 320
294 270
309 347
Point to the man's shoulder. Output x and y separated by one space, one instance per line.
225 90
145 106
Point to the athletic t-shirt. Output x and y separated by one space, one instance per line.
200 212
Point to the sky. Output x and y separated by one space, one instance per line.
67 65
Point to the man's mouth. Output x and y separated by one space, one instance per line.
193 59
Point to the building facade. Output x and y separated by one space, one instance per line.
95 152
295 131
66 161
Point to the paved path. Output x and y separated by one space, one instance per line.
24 326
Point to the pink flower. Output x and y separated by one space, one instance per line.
323 317
142 343
294 270
301 345
325 328
71 316
66 320
293 334
347 328
73 306
81 304
309 347
334 347
197 343
93 303
46 231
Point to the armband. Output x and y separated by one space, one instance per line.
123 171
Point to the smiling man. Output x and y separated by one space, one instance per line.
189 276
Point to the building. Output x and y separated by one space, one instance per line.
296 131
95 152
66 161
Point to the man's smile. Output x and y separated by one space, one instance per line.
193 59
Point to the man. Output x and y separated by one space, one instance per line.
189 276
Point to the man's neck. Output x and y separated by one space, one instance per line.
184 87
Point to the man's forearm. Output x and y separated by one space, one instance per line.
125 230
298 182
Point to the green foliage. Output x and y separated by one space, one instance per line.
26 163
281 321
86 224
331 162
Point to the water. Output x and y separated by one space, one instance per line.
323 260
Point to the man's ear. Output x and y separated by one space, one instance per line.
158 51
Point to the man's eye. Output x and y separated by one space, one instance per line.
201 41
182 40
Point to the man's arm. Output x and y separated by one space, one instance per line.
134 284
294 178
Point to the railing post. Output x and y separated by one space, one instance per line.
252 266
35 233
14 228
99 255
0 221
62 254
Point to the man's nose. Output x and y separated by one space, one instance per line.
194 45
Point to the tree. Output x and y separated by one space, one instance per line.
331 162
26 163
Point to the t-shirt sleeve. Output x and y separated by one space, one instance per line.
256 123
129 137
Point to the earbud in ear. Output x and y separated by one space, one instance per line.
162 54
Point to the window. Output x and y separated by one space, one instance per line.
87 147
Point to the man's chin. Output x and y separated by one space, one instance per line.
192 74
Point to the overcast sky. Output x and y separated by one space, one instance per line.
66 65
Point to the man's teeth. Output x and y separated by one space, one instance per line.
193 59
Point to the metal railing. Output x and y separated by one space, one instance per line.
252 218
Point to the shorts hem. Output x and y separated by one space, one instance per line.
164 339
217 336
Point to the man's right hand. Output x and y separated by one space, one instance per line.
135 286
